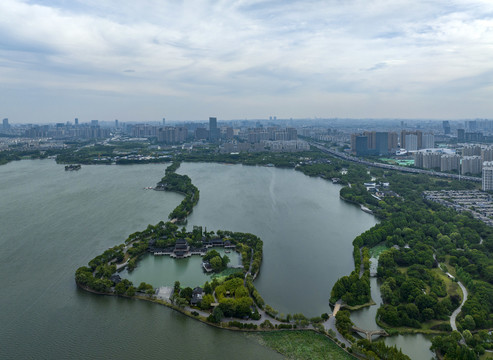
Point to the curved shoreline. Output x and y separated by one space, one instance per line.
187 311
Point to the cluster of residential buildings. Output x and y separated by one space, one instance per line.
471 161
90 130
478 203
265 145
385 143
26 144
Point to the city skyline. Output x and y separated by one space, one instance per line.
244 59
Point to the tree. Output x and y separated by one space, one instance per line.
176 288
225 261
216 316
206 302
207 288
186 293
130 291
469 322
181 302
216 263
120 288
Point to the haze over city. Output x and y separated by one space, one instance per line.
141 61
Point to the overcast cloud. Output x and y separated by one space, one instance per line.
187 60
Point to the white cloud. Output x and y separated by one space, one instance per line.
246 54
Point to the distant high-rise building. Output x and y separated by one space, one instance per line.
446 127
361 145
116 123
5 124
213 130
487 154
393 141
471 150
418 159
471 165
419 139
201 133
471 125
449 162
411 142
432 160
171 134
382 143
461 135
229 133
372 139
473 136
76 121
428 141
94 123
164 121
488 175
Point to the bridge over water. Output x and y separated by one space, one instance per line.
370 333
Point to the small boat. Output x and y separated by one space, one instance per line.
72 167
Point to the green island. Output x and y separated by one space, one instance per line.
424 251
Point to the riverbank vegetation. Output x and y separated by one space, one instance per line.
7 156
352 289
420 235
183 185
235 294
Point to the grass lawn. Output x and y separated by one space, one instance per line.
452 286
302 345
377 250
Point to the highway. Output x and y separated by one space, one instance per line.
392 167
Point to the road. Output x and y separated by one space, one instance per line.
456 312
391 167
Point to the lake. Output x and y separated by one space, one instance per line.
54 221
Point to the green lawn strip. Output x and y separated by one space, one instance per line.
452 286
377 250
302 345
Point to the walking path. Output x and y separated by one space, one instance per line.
330 324
456 312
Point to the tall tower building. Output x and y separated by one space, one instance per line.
449 162
471 165
428 141
213 130
76 121
382 143
487 154
488 175
5 124
461 135
446 127
164 121
411 142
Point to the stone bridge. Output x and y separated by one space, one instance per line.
370 333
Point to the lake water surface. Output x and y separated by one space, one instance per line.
53 221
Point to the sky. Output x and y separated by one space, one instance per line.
245 59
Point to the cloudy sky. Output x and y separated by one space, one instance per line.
188 60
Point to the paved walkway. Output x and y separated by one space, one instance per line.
456 312
337 307
330 324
